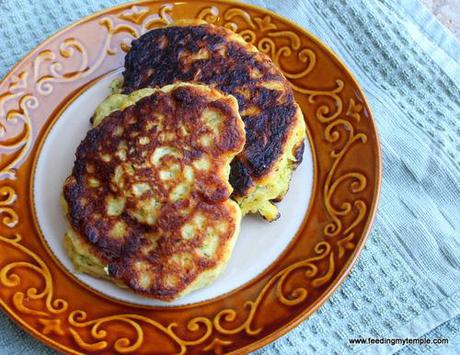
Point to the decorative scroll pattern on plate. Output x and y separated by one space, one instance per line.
49 68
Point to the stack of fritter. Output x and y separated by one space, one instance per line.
149 197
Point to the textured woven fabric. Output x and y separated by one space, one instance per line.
406 283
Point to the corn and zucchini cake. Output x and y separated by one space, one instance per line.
193 51
148 199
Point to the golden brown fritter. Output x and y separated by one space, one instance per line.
148 198
275 129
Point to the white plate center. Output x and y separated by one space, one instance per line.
258 245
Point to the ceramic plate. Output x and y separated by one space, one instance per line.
279 272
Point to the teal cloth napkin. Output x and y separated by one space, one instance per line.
406 283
